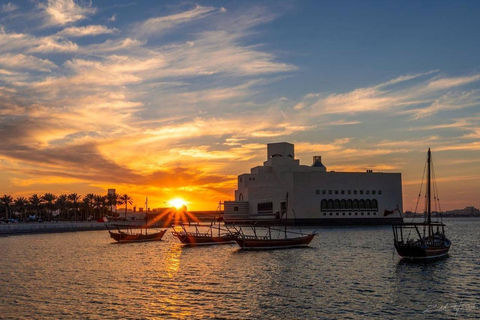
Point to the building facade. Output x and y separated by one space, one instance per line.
310 195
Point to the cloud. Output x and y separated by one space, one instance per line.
9 7
91 30
407 94
156 26
25 62
61 12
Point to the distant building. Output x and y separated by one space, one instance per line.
311 194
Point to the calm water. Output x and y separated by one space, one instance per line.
347 273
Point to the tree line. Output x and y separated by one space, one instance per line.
63 207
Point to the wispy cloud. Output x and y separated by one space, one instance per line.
61 12
90 30
25 62
157 26
9 7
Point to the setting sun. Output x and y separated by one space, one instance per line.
177 203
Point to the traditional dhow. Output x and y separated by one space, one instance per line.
202 234
124 233
423 240
319 196
268 237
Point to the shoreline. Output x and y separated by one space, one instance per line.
11 229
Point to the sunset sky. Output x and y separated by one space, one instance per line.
171 99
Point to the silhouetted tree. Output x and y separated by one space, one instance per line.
49 199
62 203
21 205
6 202
74 198
113 200
35 203
125 199
89 201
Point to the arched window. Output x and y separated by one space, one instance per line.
240 197
323 204
361 204
336 204
374 204
343 204
355 204
330 204
349 204
368 204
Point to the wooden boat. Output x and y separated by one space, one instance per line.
268 237
425 240
122 233
202 234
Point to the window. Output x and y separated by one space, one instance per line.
323 205
331 213
265 207
336 191
324 191
343 213
343 191
356 213
253 178
329 191
317 191
336 204
349 191
337 213
330 204
368 204
368 213
349 204
343 204
324 213
362 213
361 191
235 208
368 191
354 191
349 213
373 191
379 191
374 204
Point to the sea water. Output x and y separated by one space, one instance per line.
346 273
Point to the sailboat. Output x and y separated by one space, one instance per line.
423 240
203 234
269 237
129 233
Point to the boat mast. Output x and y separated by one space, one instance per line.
429 208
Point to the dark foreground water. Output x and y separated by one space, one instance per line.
347 273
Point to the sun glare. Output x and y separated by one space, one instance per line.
177 203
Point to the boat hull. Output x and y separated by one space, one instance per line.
265 244
197 240
418 252
124 237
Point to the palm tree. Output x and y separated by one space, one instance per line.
21 205
49 198
35 202
113 200
125 199
74 198
62 202
100 203
89 200
6 202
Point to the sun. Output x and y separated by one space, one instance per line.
177 203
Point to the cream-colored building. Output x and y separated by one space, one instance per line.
312 195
